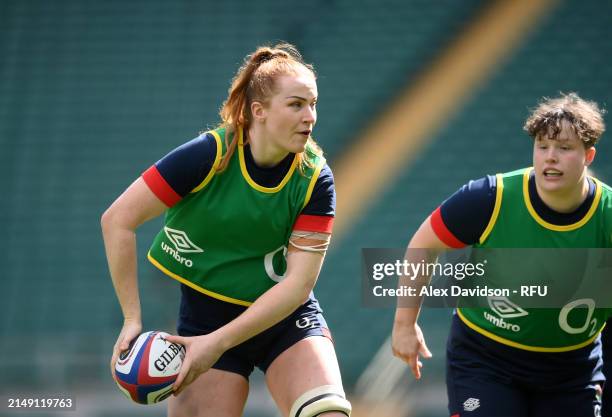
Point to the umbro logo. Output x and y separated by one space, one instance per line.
471 404
181 241
505 308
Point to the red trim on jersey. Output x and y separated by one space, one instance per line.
160 187
310 223
440 229
455 415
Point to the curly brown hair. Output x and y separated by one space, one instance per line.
585 118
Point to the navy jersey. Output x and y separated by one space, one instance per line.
183 169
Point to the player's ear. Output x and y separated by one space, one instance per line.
258 110
590 155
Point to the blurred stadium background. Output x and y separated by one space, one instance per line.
416 98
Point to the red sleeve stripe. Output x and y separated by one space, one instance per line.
440 229
309 223
160 187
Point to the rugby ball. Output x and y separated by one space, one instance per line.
146 371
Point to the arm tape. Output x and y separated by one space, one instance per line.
316 247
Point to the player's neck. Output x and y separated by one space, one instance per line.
265 152
565 201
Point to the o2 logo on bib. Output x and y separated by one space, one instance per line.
589 320
276 264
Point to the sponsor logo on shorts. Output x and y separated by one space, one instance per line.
471 404
306 323
181 241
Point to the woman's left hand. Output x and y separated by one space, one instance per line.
201 353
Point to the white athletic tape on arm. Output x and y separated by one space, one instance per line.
319 400
318 247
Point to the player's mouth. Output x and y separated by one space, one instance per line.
305 133
552 173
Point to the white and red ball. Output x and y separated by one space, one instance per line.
146 371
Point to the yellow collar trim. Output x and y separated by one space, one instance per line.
213 170
499 192
555 227
247 177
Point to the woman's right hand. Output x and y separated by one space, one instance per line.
130 331
408 343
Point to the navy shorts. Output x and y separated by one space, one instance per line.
487 378
201 314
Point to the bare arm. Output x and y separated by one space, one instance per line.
119 222
270 308
279 301
407 340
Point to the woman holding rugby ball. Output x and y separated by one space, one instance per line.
249 210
